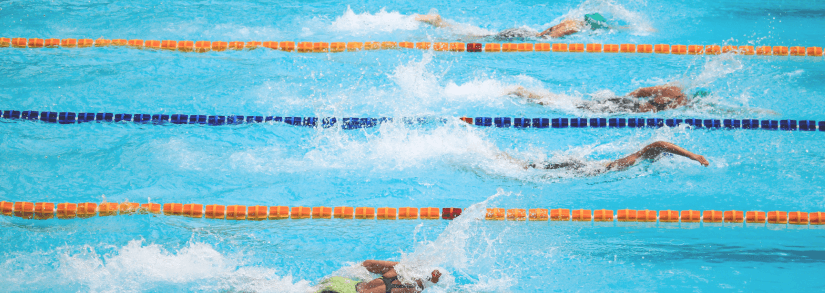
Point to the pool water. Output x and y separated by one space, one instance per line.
450 164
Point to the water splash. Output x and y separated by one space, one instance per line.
417 83
367 23
397 146
465 247
384 22
140 267
637 23
422 88
714 69
728 96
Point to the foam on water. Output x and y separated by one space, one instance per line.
423 90
367 23
714 69
397 146
140 267
383 22
728 98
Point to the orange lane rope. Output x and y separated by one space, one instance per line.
323 47
47 210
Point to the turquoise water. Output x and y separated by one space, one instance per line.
396 165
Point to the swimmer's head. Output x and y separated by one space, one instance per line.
596 21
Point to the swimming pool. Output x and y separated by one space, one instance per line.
448 164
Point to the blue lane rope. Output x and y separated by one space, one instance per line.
355 123
803 125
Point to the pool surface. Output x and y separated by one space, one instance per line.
446 163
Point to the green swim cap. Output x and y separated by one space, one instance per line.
596 21
339 284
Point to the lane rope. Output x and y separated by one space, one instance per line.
48 210
357 123
334 47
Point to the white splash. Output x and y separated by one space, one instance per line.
385 22
397 146
141 267
638 24
422 89
453 250
367 23
712 70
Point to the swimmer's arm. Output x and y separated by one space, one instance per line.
432 19
524 93
507 157
550 29
566 27
547 31
654 149
380 267
564 32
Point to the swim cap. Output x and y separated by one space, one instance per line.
596 21
339 284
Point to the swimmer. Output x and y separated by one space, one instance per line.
388 283
564 28
649 152
660 98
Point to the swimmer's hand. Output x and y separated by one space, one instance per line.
435 276
701 160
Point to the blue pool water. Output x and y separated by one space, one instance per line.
440 165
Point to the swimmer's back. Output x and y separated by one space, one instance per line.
514 34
